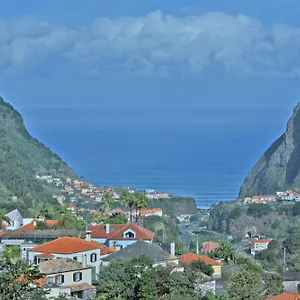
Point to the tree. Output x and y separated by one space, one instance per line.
115 218
199 265
273 285
259 210
19 281
40 225
140 202
4 218
128 200
296 209
11 254
107 203
245 285
224 251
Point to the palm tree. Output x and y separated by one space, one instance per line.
141 203
65 217
128 200
225 251
4 218
107 203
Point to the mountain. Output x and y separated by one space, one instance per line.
21 157
279 167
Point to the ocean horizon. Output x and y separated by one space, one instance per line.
201 153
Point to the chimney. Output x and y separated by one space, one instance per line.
107 228
88 235
84 261
172 249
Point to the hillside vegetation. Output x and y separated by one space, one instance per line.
21 157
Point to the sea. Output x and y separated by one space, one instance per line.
202 153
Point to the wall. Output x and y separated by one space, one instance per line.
217 271
68 277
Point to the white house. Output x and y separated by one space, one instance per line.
16 219
67 276
259 245
85 251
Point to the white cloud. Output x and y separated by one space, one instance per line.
153 44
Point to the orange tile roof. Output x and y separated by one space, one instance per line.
29 226
66 245
286 296
103 248
190 257
51 222
116 231
262 241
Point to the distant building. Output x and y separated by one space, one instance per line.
188 258
16 220
259 245
209 246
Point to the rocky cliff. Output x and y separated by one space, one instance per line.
279 167
21 157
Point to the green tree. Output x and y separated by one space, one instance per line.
259 210
199 265
40 225
273 285
245 285
4 218
296 209
128 200
141 202
107 203
115 218
11 254
224 251
18 281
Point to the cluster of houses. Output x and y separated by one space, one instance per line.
288 195
71 261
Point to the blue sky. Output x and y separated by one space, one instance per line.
180 54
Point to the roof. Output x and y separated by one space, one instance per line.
138 248
31 226
190 257
60 265
262 241
116 231
103 248
14 214
286 296
66 245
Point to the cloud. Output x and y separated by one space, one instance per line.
155 44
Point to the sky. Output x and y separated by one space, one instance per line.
93 54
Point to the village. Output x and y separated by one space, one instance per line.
288 195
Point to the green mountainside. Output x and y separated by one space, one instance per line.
21 157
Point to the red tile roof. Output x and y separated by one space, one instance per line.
190 257
262 241
116 231
209 246
31 226
286 296
66 245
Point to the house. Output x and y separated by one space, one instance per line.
16 220
209 246
32 224
291 281
285 296
259 245
120 235
160 256
188 258
67 276
84 251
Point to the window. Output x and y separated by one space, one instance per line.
74 257
93 257
60 279
77 276
50 280
129 234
